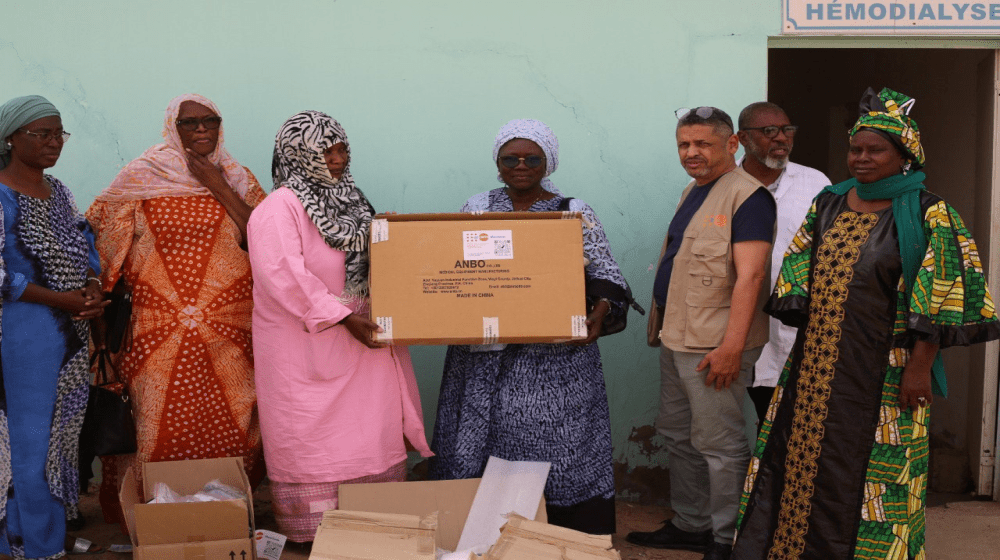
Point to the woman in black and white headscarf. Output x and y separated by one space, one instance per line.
335 406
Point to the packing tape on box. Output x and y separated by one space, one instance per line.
380 230
386 324
491 330
570 215
579 326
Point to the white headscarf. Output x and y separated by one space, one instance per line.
539 133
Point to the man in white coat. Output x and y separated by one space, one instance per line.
767 137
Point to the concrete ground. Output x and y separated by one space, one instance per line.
958 528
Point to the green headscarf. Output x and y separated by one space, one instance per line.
18 112
903 189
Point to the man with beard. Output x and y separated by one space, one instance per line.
767 136
710 284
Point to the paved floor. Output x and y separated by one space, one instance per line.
957 529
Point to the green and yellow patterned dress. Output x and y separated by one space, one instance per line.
839 470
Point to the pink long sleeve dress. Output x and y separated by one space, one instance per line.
331 409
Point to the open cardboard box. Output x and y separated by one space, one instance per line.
451 499
499 277
220 530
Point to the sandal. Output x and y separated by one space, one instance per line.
82 546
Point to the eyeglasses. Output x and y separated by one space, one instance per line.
531 162
47 135
771 131
210 123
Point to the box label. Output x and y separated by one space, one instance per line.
386 324
380 230
491 330
579 326
488 245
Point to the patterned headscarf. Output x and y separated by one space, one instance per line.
18 112
888 113
162 170
338 208
540 134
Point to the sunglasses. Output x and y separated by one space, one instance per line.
531 162
703 112
210 123
771 131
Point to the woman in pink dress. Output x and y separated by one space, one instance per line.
335 406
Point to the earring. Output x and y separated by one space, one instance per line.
9 146
905 167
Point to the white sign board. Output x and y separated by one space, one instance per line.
864 17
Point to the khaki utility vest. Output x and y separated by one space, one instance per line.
701 283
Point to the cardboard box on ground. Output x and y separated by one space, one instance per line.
220 530
408 520
499 277
397 520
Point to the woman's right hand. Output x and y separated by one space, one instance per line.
82 303
363 329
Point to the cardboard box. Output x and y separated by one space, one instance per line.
523 539
189 531
354 535
499 277
451 499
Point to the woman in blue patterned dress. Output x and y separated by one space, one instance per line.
50 290
537 402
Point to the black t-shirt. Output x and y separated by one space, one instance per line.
753 221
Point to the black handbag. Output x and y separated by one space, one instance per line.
108 425
597 289
118 317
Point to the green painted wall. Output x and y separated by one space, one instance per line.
421 88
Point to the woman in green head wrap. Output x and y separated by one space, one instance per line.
50 292
880 276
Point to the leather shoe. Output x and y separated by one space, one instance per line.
670 536
718 551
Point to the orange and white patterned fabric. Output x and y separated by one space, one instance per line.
189 367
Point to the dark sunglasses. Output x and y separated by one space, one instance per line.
531 162
210 123
771 131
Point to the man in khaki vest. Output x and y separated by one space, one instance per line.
708 324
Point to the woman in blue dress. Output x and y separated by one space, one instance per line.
50 291
537 402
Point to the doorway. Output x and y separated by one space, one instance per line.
956 108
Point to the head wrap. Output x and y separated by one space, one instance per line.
337 207
18 112
540 134
888 114
162 170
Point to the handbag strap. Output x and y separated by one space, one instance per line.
104 364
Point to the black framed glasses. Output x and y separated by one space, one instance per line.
789 130
210 123
531 162
47 135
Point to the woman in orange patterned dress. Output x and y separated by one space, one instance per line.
173 223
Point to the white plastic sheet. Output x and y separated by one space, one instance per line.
506 486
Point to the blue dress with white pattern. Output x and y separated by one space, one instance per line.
533 402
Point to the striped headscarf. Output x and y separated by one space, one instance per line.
337 208
888 113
